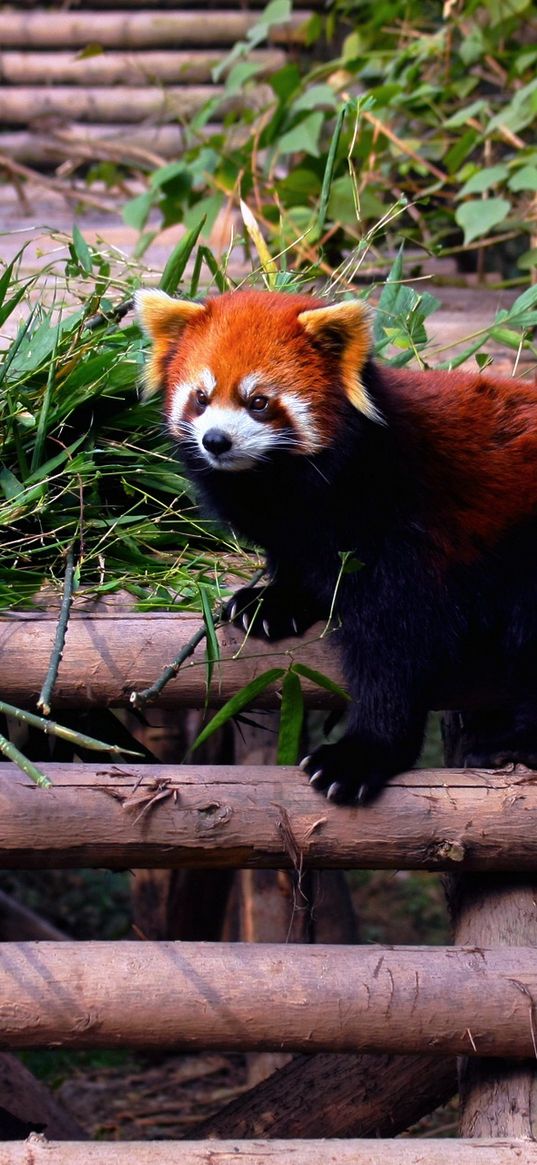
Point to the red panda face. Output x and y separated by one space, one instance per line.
251 373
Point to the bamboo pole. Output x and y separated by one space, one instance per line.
37 1151
123 68
440 1001
164 816
126 30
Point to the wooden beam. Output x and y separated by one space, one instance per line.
127 816
127 30
108 654
149 145
37 1151
441 1001
110 651
122 68
20 105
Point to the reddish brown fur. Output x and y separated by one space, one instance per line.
248 331
473 439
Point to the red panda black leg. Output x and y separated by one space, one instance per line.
496 739
271 612
356 768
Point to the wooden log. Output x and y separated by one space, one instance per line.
37 1151
125 816
500 1101
21 105
122 68
30 1101
499 911
133 143
440 1001
127 30
110 652
20 924
332 1095
107 655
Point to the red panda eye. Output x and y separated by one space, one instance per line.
201 399
258 403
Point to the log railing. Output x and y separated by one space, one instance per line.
154 71
381 1013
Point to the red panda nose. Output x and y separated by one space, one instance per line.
216 441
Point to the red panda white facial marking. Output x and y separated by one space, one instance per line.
264 371
234 430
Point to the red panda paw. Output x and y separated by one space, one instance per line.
269 612
337 770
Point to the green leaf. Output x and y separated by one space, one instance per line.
304 137
477 217
9 484
239 75
483 180
320 680
291 720
82 251
315 97
136 211
174 269
237 702
523 179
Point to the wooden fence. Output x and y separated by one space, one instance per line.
150 72
376 1028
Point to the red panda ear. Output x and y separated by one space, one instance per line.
343 328
162 319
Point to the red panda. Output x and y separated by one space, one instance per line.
300 441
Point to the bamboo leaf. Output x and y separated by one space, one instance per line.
237 702
174 269
321 681
291 719
268 264
212 652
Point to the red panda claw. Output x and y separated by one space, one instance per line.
317 777
334 790
304 763
231 612
266 628
294 625
245 621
